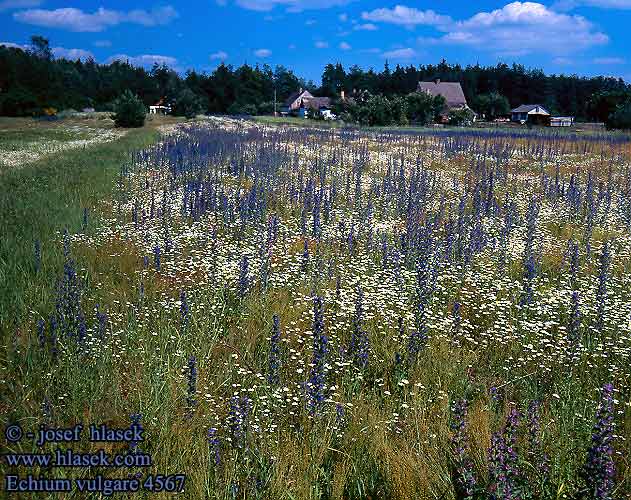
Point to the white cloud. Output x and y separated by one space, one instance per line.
518 28
365 27
72 54
603 4
145 60
73 19
345 46
406 16
18 4
406 53
609 60
221 55
343 17
608 4
155 17
291 5
102 43
262 53
562 61
521 28
14 45
321 45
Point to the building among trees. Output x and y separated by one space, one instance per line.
450 91
160 108
531 113
303 102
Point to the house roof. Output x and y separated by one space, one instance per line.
451 91
317 102
527 108
296 95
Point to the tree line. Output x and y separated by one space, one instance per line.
32 79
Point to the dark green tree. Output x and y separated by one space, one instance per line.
40 47
492 105
621 117
422 108
187 103
130 111
603 104
333 80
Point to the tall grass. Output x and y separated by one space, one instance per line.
39 201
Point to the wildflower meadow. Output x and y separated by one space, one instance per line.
294 313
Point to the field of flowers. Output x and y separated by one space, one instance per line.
315 314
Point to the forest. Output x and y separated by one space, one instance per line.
32 80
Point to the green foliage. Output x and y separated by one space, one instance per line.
379 110
168 82
188 104
333 80
422 108
237 108
603 104
267 108
40 47
492 105
621 117
18 101
374 110
129 110
462 117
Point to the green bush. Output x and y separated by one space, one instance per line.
378 110
130 111
422 108
461 117
239 108
188 104
18 101
621 117
492 105
267 107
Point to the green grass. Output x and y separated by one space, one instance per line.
41 199
298 122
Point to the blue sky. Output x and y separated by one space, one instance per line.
586 37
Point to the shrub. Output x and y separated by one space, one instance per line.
237 108
621 117
267 108
422 108
492 105
18 101
188 104
461 117
129 110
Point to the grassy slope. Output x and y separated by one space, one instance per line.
42 198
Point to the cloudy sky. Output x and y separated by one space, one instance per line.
586 37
